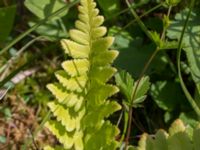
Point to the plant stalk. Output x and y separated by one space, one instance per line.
185 90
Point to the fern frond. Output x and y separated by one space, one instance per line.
82 107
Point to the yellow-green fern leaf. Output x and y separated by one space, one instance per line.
83 103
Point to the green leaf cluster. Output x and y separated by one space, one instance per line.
81 105
134 92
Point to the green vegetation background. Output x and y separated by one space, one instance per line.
30 52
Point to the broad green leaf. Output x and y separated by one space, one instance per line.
133 52
160 142
191 39
51 30
176 127
7 16
167 95
196 137
109 7
43 8
177 139
180 141
142 142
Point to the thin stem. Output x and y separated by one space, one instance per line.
185 90
126 120
17 55
129 126
164 30
127 114
134 93
124 11
141 16
142 25
20 37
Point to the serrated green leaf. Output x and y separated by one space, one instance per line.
125 83
141 90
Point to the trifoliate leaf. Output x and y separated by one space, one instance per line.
125 83
141 90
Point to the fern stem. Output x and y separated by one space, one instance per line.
20 37
185 90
